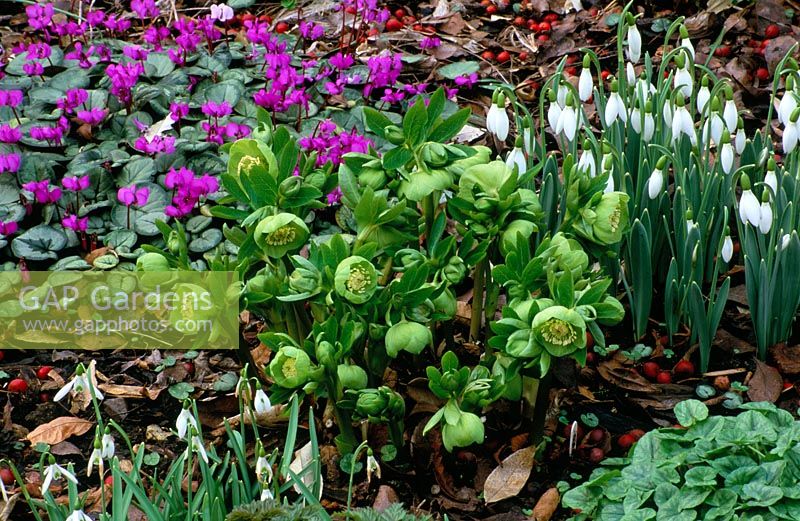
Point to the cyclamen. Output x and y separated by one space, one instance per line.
466 80
132 196
159 144
39 16
216 110
188 190
117 25
135 52
331 146
92 117
430 42
9 134
10 98
123 78
73 222
145 8
10 163
71 100
311 30
43 192
75 184
178 110
8 228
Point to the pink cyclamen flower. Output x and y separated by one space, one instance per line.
8 228
72 99
135 52
159 144
9 134
10 98
311 30
92 117
95 18
43 192
39 15
237 130
341 61
466 80
145 8
334 196
10 163
116 24
430 42
216 110
73 222
178 110
132 196
76 184
221 12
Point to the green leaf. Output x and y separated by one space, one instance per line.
376 121
453 70
690 412
414 123
41 242
226 382
450 127
181 390
396 158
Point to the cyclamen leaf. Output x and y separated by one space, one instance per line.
690 412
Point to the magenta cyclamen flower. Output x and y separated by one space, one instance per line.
8 228
135 52
430 42
73 222
145 8
33 68
466 81
311 30
10 163
158 144
43 192
216 110
178 110
95 18
76 184
341 61
9 134
10 98
334 196
187 190
117 25
123 78
132 196
39 15
92 117
237 130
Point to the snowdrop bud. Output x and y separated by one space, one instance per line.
497 118
615 107
631 73
649 122
791 132
703 95
770 179
682 122
765 220
656 181
740 139
689 221
727 246
568 119
686 43
788 101
527 135
785 241
585 84
726 153
634 49
749 209
553 111
730 114
516 158
586 162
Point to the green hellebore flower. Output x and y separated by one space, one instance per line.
352 376
156 268
455 270
291 368
446 304
303 280
609 312
419 184
434 154
356 279
508 240
522 344
407 336
489 178
279 234
466 431
379 403
482 156
193 303
559 330
612 218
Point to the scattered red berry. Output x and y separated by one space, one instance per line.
568 429
543 38
350 10
762 74
723 51
17 385
520 21
282 27
109 481
754 44
651 370
593 12
400 13
763 44
605 74
491 9
523 56
596 455
772 31
2 355
637 434
571 71
664 377
684 368
393 25
372 32
488 56
503 56
533 25
544 27
596 435
7 476
591 358
44 397
43 372
787 385
572 58
625 441
189 366
550 17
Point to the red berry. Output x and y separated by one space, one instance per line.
550 17
350 10
762 74
2 355
189 366
637 433
408 20
503 56
544 27
520 21
684 368
394 25
723 51
596 435
605 74
109 481
591 358
571 71
44 397
651 370
543 38
7 476
572 58
664 377
17 385
523 56
400 13
593 12
282 27
763 44
625 441
772 31
787 385
491 9
568 429
533 26
43 372
488 56
596 455
372 32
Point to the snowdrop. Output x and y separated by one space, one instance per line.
561 95
656 180
527 135
568 120
263 468
196 446
78 515
497 118
689 222
586 162
96 458
682 122
729 113
261 402
634 40
703 95
79 384
770 179
683 79
585 82
553 111
765 219
791 132
785 241
56 471
644 88
107 445
740 139
749 209
372 466
788 101
608 163
615 107
726 153
714 124
643 122
630 72
516 157
727 246
686 43
185 420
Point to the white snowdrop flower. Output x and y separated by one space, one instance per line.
634 40
56 471
107 445
729 113
263 468
726 153
785 241
586 162
713 127
516 158
666 113
372 466
96 458
686 43
739 141
788 101
78 384
644 88
644 125
585 82
770 179
749 208
765 220
561 96
497 118
683 79
567 121
655 182
221 12
727 248
682 123
703 95
78 515
261 402
196 446
553 111
266 494
615 107
186 420
689 222
527 136
630 73
791 132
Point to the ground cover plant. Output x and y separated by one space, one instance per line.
460 292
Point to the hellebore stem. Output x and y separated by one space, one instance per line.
477 299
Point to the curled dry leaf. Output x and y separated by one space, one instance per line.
546 506
766 384
510 476
59 430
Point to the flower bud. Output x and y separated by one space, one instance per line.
407 336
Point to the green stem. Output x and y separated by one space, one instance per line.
541 403
429 211
477 299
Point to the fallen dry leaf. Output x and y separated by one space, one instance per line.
302 459
510 476
766 384
59 430
546 506
625 377
787 358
